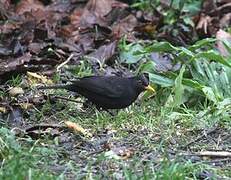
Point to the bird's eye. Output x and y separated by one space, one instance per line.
140 82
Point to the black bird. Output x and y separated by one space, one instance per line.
108 92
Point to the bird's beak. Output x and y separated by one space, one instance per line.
150 88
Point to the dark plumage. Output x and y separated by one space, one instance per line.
108 92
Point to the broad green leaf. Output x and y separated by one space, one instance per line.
202 43
129 56
179 88
208 72
169 101
161 47
227 45
187 82
147 67
215 56
226 103
209 93
161 80
199 68
215 76
191 83
186 52
192 7
225 85
188 21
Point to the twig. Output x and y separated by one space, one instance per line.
200 137
219 8
67 99
214 153
44 126
219 154
65 62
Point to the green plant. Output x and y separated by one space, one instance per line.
15 81
127 52
2 94
82 69
175 17
20 162
206 70
145 4
8 144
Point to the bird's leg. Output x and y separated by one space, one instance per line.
110 112
103 109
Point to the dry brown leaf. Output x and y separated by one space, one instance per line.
28 6
2 109
125 26
25 106
11 64
126 153
203 23
35 78
223 36
16 91
104 53
120 153
77 128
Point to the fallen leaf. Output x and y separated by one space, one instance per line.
224 21
26 106
204 23
104 53
2 109
28 6
125 26
35 78
12 64
16 91
223 37
164 62
120 153
77 128
126 153
94 13
112 155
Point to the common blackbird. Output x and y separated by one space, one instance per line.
108 92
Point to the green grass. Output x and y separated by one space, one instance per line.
18 161
151 129
15 81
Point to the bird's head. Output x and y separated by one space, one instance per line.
142 83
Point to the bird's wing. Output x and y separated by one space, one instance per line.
108 87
